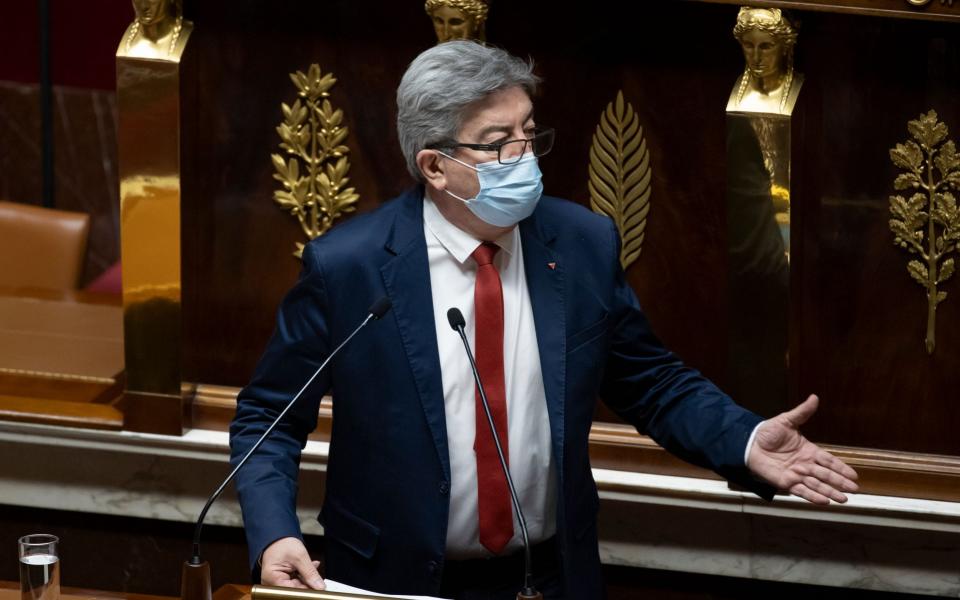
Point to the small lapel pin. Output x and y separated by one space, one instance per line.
552 265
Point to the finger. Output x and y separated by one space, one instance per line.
830 461
809 495
307 571
801 413
833 479
824 489
282 579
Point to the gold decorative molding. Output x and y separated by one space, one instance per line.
928 223
57 376
620 176
313 142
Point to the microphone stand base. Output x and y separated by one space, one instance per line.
530 594
195 581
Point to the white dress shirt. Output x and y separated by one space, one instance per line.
452 277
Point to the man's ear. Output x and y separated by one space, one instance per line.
431 167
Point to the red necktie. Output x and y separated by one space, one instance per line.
496 515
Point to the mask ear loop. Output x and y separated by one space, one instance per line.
464 200
444 154
457 160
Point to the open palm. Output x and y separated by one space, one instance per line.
784 458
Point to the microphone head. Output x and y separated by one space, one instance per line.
455 317
380 307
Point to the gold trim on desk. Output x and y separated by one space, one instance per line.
57 376
265 592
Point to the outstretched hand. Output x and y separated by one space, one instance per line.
784 458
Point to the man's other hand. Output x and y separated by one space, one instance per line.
784 458
286 563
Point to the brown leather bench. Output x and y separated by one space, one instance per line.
41 247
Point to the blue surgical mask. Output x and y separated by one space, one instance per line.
508 193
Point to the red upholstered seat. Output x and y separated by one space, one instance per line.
109 282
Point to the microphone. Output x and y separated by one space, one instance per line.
529 592
375 312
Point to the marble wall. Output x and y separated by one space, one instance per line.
131 498
85 160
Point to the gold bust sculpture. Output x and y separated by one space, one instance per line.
458 19
159 31
768 83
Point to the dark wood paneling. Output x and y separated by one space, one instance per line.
20 139
239 257
861 320
125 554
856 320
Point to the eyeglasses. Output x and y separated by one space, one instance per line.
510 151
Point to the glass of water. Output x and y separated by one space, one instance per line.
39 567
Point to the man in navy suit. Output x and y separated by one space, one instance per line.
415 502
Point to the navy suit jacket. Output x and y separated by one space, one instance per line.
388 475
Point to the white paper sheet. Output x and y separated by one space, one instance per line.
335 586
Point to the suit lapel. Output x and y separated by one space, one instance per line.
406 278
545 281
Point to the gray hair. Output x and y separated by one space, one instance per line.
442 82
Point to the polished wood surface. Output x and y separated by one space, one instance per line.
65 338
232 592
10 590
61 358
60 412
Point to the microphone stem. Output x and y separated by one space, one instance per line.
528 574
196 533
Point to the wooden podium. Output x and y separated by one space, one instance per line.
10 590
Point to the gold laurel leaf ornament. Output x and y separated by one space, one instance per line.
927 224
312 170
620 176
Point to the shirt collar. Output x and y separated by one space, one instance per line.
458 242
